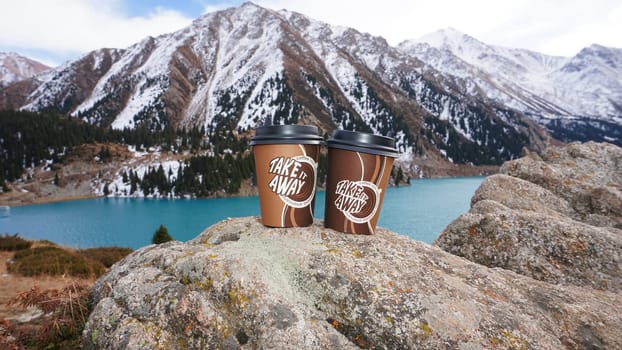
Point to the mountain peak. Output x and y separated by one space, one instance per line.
250 4
245 10
447 38
607 60
597 49
15 67
450 32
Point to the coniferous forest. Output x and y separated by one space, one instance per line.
217 161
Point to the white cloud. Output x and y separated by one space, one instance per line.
553 27
69 27
560 28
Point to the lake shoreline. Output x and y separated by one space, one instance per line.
31 198
247 192
18 198
82 177
419 211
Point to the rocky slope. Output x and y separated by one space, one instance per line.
83 175
15 67
576 98
555 218
231 69
239 285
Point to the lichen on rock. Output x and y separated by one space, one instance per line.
555 217
240 285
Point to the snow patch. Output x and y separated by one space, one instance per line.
118 188
147 95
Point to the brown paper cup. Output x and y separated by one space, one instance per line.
286 166
359 166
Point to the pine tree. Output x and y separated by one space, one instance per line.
161 182
104 154
399 176
106 189
133 182
161 235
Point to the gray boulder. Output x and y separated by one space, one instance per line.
556 218
587 175
240 285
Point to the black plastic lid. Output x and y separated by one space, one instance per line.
286 134
363 142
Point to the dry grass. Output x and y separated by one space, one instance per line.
106 255
12 284
54 261
61 296
66 311
13 242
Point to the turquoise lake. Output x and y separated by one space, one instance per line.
420 211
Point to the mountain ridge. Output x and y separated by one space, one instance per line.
553 90
229 70
15 67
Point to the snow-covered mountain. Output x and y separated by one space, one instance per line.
574 97
14 67
229 70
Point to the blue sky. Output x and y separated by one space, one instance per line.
60 30
189 8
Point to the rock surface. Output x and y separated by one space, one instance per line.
239 285
555 217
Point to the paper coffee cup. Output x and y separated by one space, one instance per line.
359 166
286 166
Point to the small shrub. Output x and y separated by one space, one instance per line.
46 242
106 255
161 235
53 261
67 310
13 242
